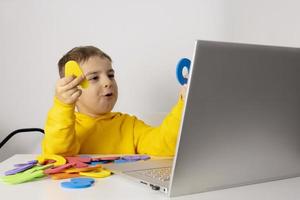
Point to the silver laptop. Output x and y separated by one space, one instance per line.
241 122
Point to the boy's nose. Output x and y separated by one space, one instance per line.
107 83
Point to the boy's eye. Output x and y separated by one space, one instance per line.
93 78
111 75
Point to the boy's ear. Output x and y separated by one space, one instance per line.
73 68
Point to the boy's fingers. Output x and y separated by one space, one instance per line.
69 93
74 83
76 94
183 91
65 80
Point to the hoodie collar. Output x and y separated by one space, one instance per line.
105 116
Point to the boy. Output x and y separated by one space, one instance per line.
81 121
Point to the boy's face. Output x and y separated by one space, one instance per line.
102 93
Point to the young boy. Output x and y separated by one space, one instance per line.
81 121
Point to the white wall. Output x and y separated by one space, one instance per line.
272 22
144 38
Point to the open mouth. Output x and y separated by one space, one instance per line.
108 94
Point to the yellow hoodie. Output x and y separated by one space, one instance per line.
70 133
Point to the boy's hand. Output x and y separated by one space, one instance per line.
66 89
183 91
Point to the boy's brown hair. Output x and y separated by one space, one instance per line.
80 54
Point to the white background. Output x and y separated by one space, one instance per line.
144 38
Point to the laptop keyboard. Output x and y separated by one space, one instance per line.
162 174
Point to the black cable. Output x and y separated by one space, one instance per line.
19 131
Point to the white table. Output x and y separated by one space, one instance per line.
118 187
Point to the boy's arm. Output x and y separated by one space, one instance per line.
159 141
60 137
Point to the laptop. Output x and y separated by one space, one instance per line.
240 125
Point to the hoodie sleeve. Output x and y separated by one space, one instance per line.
60 137
161 140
